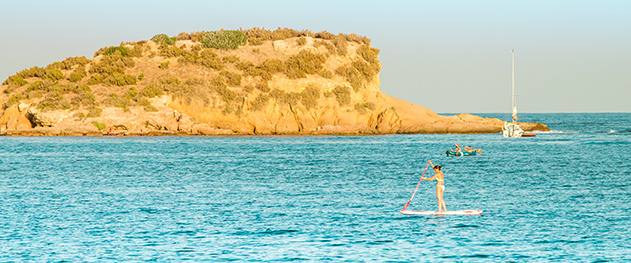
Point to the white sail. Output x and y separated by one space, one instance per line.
513 85
512 129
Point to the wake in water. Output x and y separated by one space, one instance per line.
615 131
552 132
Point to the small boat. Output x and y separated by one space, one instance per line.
451 152
512 129
462 151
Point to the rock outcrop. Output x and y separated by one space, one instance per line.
297 85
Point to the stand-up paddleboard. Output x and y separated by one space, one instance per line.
418 212
432 213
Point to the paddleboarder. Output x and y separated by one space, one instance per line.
440 186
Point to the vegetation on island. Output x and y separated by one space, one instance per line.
130 74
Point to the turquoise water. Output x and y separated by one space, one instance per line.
564 195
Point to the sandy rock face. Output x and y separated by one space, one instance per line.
391 116
14 118
338 96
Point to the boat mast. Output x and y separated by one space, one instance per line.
513 80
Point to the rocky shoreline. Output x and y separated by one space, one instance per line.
296 84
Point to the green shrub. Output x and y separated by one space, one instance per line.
53 101
94 111
53 74
120 79
301 41
340 44
330 47
15 80
117 101
98 125
224 39
84 98
151 91
10 88
290 98
255 41
206 58
164 38
186 92
31 72
357 39
363 108
219 87
370 105
69 62
111 70
141 76
256 36
232 79
80 116
132 93
352 75
264 70
170 51
248 88
112 50
137 50
195 36
309 97
259 102
14 100
365 69
325 73
148 107
368 53
34 94
41 85
303 63
95 79
324 35
263 86
272 66
342 95
78 74
164 65
231 59
247 67
360 109
227 110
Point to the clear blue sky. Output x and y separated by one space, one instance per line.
449 56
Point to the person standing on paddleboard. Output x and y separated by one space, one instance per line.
440 186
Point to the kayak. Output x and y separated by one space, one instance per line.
450 152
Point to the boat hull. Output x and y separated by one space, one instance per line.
458 154
512 130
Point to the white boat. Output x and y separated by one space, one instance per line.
512 129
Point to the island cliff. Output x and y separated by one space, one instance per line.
245 82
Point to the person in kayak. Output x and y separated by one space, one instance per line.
458 150
440 186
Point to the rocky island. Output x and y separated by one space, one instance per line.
229 82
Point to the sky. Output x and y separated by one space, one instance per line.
448 56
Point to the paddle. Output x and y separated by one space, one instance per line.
419 183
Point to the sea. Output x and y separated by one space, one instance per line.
562 196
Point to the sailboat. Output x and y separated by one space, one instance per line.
512 129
